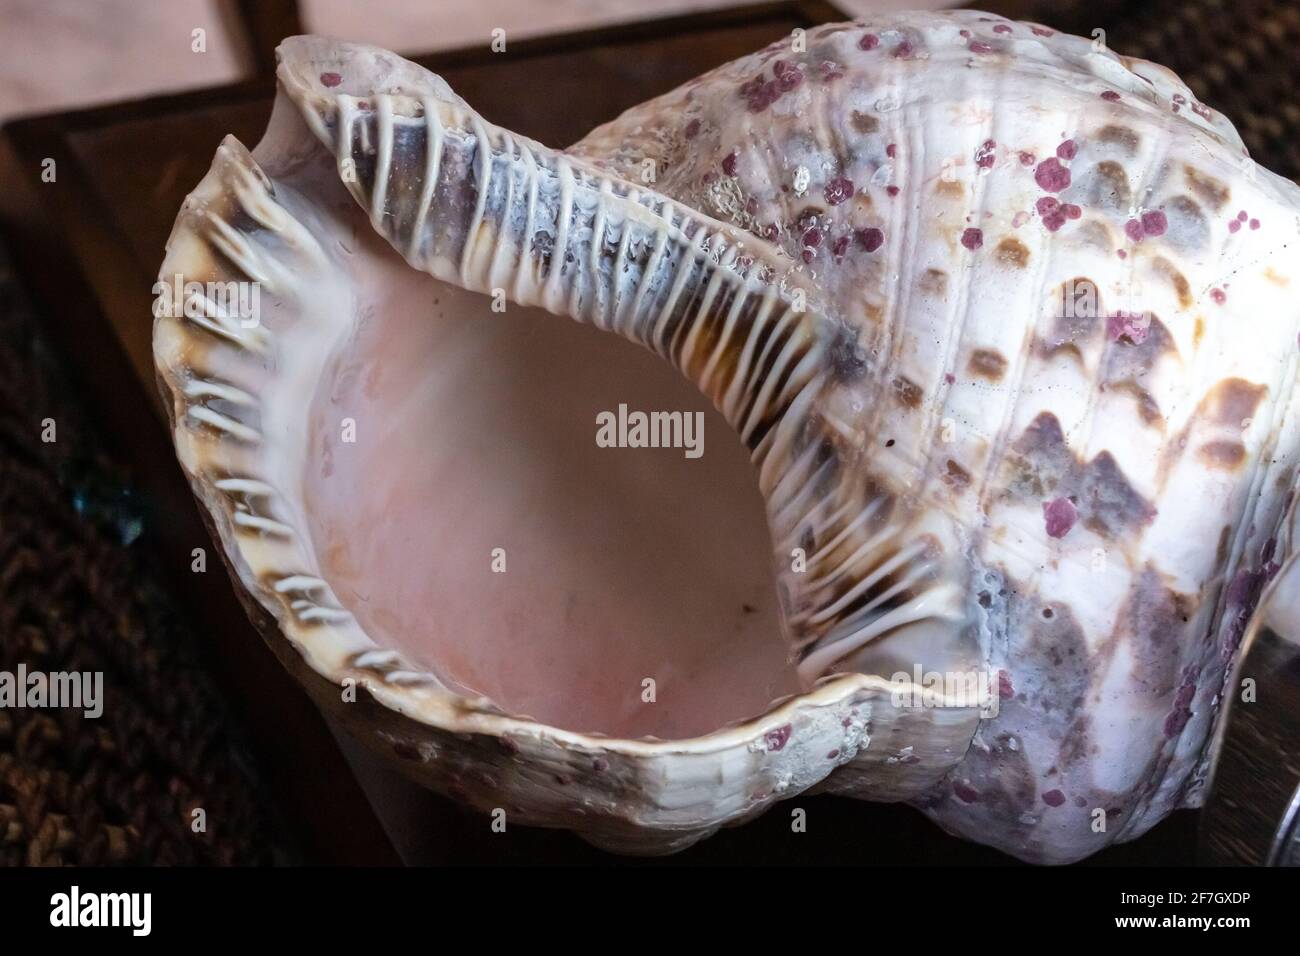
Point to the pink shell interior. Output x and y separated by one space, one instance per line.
621 564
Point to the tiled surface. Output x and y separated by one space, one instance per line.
61 54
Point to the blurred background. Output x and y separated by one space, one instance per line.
63 53
111 112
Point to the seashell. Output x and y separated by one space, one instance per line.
1004 322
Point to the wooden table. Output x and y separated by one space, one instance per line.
89 245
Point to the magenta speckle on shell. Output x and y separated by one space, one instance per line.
1050 210
1027 158
979 46
869 41
837 190
1133 229
1006 690
972 239
1154 223
788 76
1254 224
871 238
812 238
965 792
1219 296
1001 28
1051 175
1059 515
1055 213
904 50
759 93
1067 150
1054 798
331 79
1110 96
777 739
986 154
729 163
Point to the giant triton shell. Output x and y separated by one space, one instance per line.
1006 325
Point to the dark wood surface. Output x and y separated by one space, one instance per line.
88 246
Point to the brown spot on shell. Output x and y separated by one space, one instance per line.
988 363
1146 404
1094 233
1230 402
1222 455
1198 332
950 188
1213 192
1181 286
1107 187
1274 277
933 282
1187 226
956 477
1123 137
907 392
1011 251
864 122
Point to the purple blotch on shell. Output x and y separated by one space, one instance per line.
1051 175
1059 515
777 739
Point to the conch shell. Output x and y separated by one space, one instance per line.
1005 322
